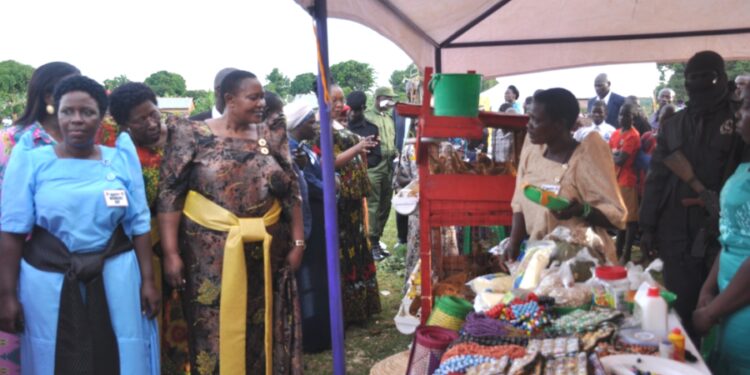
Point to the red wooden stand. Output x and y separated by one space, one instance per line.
456 199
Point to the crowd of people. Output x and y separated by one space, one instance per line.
132 242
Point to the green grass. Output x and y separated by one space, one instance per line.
378 339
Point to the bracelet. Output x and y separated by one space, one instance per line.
586 210
299 243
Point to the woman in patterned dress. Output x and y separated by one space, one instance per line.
241 163
360 295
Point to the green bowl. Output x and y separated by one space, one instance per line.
545 198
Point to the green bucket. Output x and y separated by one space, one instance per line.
456 94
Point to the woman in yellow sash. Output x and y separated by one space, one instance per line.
232 234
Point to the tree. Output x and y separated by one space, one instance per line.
490 83
14 79
14 76
113 83
202 100
399 79
302 84
353 75
672 76
165 83
278 83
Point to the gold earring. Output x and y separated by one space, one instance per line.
50 109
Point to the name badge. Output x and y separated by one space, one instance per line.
115 198
551 188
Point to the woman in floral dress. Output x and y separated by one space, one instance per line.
241 163
360 295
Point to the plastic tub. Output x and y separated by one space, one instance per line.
610 288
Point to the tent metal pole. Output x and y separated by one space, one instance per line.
492 10
438 60
329 192
599 38
407 21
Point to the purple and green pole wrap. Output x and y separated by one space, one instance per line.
320 15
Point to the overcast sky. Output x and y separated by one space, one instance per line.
197 38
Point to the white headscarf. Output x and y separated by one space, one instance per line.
296 113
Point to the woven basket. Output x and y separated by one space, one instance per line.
429 345
395 364
439 318
450 312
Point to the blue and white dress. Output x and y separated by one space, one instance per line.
66 197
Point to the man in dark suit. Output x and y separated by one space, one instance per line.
603 93
218 107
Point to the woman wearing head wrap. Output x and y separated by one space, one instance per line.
312 276
583 173
87 297
230 211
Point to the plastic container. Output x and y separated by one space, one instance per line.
610 287
666 349
456 94
678 341
653 310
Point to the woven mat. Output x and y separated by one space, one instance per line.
395 364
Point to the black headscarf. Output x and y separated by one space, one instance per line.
711 85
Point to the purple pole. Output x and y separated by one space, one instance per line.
329 192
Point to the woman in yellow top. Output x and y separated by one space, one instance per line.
584 173
230 211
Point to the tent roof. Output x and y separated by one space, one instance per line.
503 37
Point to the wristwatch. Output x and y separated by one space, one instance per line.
299 243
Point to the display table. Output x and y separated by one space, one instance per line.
674 322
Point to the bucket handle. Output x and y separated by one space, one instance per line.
434 82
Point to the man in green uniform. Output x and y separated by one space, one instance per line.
381 175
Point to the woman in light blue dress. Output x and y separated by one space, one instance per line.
78 197
725 296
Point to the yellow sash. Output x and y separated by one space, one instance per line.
233 304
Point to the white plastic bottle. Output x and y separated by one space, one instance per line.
654 313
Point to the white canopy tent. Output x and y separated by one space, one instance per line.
504 37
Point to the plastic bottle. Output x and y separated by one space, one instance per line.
653 310
678 340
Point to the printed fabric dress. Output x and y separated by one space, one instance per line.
60 195
731 355
172 325
10 353
360 295
235 174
